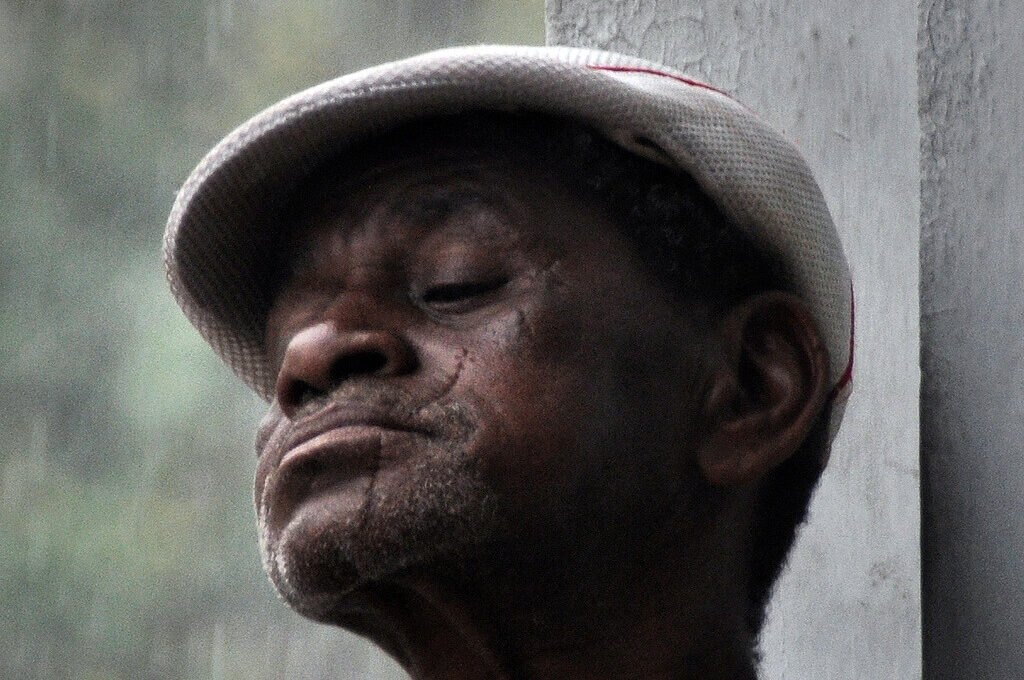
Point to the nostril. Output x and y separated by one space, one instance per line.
357 364
306 393
298 394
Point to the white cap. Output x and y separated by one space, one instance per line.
218 236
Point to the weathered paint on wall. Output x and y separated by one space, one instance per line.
841 80
972 315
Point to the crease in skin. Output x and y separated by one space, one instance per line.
547 276
369 494
524 326
269 426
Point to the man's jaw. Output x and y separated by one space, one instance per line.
400 511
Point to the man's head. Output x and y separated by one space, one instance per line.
504 349
541 331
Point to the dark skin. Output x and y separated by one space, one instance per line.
501 447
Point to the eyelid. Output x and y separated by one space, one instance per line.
451 293
466 286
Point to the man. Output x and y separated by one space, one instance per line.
555 342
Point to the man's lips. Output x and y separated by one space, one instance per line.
333 448
335 439
335 426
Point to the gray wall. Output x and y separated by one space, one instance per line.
972 313
840 81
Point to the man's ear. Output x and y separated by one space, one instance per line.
766 393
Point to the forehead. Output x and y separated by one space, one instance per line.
421 184
421 193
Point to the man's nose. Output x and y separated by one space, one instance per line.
323 356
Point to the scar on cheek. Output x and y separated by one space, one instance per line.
550 276
452 378
523 328
508 332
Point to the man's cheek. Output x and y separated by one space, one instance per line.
527 440
542 325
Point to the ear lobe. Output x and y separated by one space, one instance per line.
768 391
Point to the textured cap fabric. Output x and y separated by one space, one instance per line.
219 232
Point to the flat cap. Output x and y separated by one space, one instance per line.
219 231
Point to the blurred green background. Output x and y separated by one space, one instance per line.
127 540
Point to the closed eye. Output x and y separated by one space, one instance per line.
460 293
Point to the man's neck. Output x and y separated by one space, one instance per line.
614 625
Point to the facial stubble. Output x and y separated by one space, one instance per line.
428 512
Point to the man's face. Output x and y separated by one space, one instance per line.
473 363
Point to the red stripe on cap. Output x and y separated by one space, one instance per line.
655 72
847 376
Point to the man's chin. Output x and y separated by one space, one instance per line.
308 569
319 562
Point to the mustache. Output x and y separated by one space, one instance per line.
370 403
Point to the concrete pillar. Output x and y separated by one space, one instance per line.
972 332
840 79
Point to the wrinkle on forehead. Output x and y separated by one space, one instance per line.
475 205
454 209
427 187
